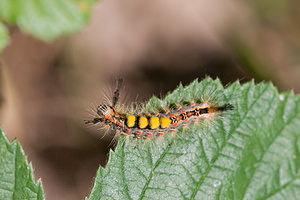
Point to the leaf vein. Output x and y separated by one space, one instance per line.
214 159
157 163
265 150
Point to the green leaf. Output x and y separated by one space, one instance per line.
46 19
3 36
16 178
250 153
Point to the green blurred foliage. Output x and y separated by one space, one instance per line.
45 20
16 175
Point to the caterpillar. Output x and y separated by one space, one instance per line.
149 125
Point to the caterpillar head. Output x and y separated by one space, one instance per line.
105 114
103 110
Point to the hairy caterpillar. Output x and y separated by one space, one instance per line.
146 125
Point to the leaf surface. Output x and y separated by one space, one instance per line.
252 152
16 175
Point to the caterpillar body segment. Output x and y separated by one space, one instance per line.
145 125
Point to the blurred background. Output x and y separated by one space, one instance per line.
48 89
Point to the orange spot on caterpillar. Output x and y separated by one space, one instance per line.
170 119
112 111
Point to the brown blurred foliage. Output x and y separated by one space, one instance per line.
47 89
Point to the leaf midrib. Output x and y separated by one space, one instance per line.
157 163
123 172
